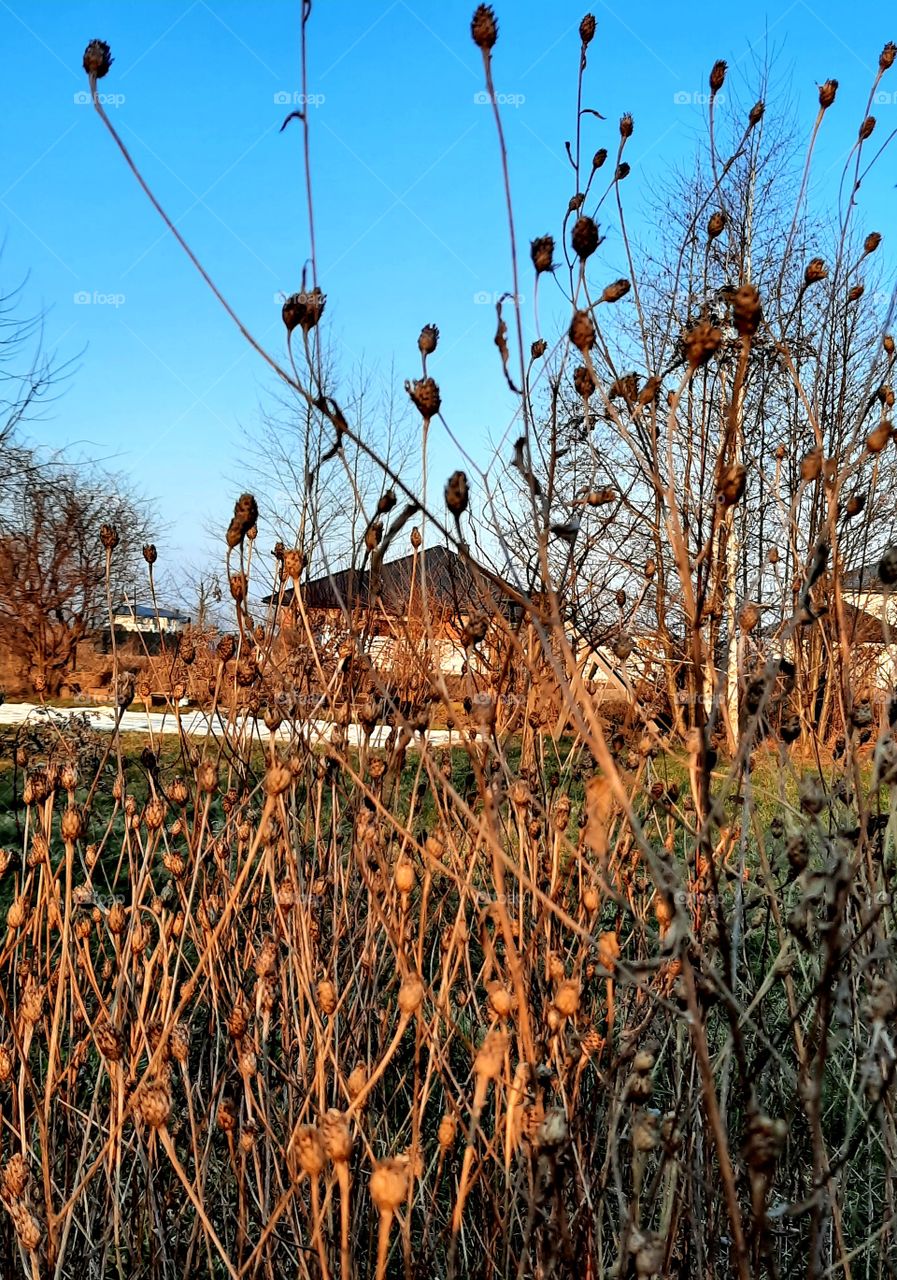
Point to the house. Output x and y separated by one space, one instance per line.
148 620
871 610
434 597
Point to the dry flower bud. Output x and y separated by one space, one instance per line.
587 29
542 253
483 27
584 237
582 331
98 59
717 75
827 93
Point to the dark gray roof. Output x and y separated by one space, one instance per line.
147 611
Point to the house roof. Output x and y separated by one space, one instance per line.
452 583
865 578
147 611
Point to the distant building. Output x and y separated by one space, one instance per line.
143 618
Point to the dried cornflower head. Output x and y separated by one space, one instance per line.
811 465
583 382
427 340
867 128
872 241
626 125
7 1063
71 824
887 567
718 75
424 392
879 436
308 1149
855 292
411 994
491 1055
587 29
336 1136
816 271
827 92
483 27
582 331
14 1178
154 1104
749 616
389 1185
887 56
150 554
584 237
622 171
27 1226
326 997
246 514
538 349
599 157
457 493
109 536
746 310
732 481
303 310
98 59
541 251
567 998
357 1080
448 1131
701 341
716 224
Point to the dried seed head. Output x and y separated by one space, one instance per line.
827 93
448 1131
816 271
732 483
154 1104
541 252
336 1136
878 438
599 157
72 824
856 292
746 310
426 342
303 310
887 567
483 27
587 29
15 1178
28 1229
389 1184
425 394
888 343
358 1078
622 171
326 995
755 115
583 382
811 465
567 997
110 1041
872 241
98 59
109 536
701 341
582 331
150 554
717 75
457 493
491 1055
614 292
584 237
626 125
246 514
867 128
887 56
411 994
309 1150
748 616
716 224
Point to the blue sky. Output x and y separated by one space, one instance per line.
409 204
